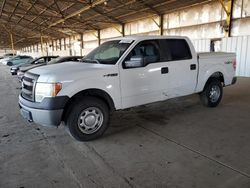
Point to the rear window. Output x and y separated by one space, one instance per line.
177 49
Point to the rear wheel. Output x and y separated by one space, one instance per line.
212 93
88 119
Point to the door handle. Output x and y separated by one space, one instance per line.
193 67
164 70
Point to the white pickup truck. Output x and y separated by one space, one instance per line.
119 74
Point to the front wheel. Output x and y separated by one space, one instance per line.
9 63
212 93
88 118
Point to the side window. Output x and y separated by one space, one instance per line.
77 59
39 61
178 49
144 53
47 59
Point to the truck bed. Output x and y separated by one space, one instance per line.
210 63
206 55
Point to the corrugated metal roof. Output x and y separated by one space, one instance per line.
26 20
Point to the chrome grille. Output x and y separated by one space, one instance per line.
28 86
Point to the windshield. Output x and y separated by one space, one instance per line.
15 58
108 52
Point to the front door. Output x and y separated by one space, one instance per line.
143 77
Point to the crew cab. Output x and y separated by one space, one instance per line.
120 74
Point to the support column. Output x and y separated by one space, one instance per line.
229 11
64 43
82 45
229 17
123 30
12 43
41 38
99 37
60 44
53 49
161 26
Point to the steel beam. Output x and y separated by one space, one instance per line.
93 4
3 4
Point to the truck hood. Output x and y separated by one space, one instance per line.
21 65
27 67
68 70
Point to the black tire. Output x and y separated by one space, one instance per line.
206 96
77 110
9 63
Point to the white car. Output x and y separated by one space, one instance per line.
5 60
119 74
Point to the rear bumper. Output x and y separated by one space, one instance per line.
234 80
47 113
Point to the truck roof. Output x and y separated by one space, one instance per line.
151 37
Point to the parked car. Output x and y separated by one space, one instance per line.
4 59
37 61
120 74
22 70
8 55
20 59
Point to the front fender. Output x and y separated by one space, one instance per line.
110 87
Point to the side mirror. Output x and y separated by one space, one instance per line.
134 62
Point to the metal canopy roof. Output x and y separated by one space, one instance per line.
28 19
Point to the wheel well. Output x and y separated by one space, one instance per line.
217 75
89 92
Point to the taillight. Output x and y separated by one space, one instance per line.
234 64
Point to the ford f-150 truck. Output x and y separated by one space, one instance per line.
120 74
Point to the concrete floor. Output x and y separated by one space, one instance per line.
178 143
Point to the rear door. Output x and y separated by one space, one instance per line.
182 67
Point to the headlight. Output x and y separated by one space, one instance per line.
46 90
20 73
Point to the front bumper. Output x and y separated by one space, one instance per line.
13 71
20 77
47 113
